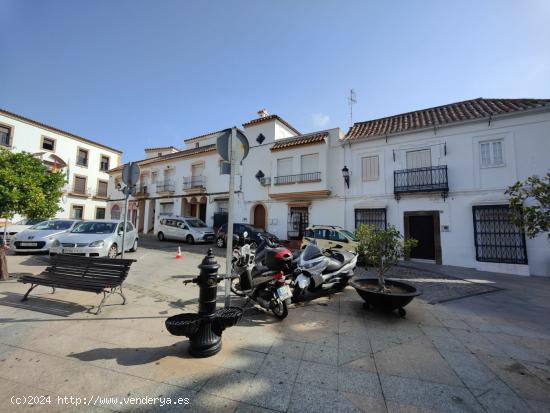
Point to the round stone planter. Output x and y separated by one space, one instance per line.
366 288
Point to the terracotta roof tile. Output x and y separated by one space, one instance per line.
310 139
267 118
442 115
176 155
203 136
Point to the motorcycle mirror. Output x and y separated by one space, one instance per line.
245 234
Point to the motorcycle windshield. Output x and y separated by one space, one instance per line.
311 252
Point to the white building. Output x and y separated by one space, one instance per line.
86 162
437 174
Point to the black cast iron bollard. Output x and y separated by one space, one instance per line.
205 328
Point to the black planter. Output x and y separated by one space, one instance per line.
384 301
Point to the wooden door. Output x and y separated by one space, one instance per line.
259 217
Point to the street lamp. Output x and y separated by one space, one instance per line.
345 174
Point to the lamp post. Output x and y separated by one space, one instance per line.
345 174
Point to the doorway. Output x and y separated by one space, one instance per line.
424 227
259 217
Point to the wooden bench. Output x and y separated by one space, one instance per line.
71 272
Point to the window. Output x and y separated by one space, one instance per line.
5 136
102 188
298 221
372 216
129 227
82 157
104 163
370 168
77 212
310 163
115 212
197 144
154 177
260 138
321 233
48 144
419 159
197 170
159 154
284 166
490 153
337 236
496 238
100 213
79 184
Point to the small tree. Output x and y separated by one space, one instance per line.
28 188
530 205
382 249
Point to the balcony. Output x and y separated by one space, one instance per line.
194 183
80 192
300 178
141 191
166 187
429 179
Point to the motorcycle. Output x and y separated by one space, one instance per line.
259 275
322 272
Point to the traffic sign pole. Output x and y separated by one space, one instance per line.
127 192
230 219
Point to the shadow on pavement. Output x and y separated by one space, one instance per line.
42 304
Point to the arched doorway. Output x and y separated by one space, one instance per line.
259 216
115 212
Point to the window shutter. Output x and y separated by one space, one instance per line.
419 159
80 185
284 166
310 163
370 168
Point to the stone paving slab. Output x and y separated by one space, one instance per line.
474 354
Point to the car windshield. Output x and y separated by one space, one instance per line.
312 251
94 228
53 225
195 223
351 235
29 221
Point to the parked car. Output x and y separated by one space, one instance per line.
19 226
189 229
330 236
96 238
40 237
254 234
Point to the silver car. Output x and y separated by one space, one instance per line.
39 237
96 238
13 229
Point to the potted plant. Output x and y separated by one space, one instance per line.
382 249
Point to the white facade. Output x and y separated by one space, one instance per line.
85 194
290 180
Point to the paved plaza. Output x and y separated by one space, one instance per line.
482 347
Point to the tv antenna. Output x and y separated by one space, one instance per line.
352 100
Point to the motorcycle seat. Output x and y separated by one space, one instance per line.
343 256
333 265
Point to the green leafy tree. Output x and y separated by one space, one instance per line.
27 188
382 249
530 205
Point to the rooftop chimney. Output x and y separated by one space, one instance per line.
262 113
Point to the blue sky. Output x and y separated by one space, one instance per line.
133 74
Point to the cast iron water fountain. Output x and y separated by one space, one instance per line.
205 329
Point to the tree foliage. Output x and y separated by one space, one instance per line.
27 187
530 204
383 248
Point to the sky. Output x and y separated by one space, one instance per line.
136 74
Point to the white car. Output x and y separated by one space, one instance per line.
19 226
40 237
189 229
96 238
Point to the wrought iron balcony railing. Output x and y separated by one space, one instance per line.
428 179
166 186
300 178
190 182
141 190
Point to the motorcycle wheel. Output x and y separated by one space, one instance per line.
234 287
281 309
297 294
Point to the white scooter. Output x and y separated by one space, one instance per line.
322 272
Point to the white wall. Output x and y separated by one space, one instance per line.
28 137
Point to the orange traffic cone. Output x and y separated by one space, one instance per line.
178 254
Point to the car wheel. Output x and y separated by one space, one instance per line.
220 243
190 239
134 246
160 236
113 251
